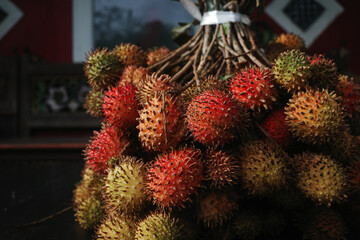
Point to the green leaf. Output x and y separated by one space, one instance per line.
180 34
226 77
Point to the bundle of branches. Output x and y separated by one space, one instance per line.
214 49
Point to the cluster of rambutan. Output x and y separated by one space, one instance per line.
229 158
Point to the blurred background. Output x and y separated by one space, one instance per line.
43 124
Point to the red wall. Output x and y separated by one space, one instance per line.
45 28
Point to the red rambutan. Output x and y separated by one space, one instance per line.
214 117
107 143
174 177
133 74
350 93
156 54
121 106
276 127
254 88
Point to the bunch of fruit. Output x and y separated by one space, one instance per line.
263 153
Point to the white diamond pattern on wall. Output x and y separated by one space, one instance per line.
10 14
307 18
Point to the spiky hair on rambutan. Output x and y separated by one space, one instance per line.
215 118
154 84
102 69
291 41
215 207
320 178
121 106
174 177
133 75
130 54
350 94
93 103
108 142
156 54
274 125
159 226
161 123
353 171
292 70
315 116
344 147
254 88
221 169
209 82
323 72
89 212
124 186
264 167
116 227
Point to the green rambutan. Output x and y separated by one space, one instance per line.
275 126
214 118
130 54
115 227
153 85
291 41
102 69
161 123
156 54
121 106
124 186
292 70
320 178
254 88
93 103
315 116
174 177
133 75
323 72
263 166
247 225
89 212
107 143
221 169
159 226
213 208
350 94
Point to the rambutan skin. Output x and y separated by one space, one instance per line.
174 177
315 116
254 88
275 126
350 94
115 227
156 54
90 212
291 41
323 72
214 118
153 133
107 143
121 106
130 54
93 103
133 75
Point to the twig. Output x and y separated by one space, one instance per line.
45 218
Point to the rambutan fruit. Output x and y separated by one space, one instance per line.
263 166
156 54
254 88
102 69
353 171
124 186
121 106
323 72
214 118
174 177
320 178
221 169
130 54
93 103
344 147
315 116
213 208
291 41
292 70
133 75
107 143
247 225
161 123
159 226
274 50
350 93
115 227
210 82
90 212
153 85
274 124
323 224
